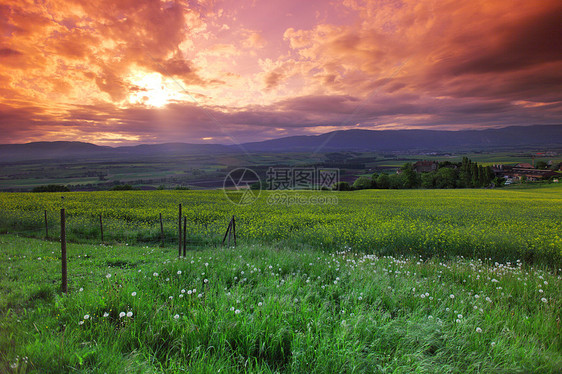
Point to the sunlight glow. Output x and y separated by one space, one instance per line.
152 90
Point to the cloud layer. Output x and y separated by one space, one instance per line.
144 71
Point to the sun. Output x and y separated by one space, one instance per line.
152 90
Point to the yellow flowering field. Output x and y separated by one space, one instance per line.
500 224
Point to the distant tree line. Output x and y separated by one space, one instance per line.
51 188
464 174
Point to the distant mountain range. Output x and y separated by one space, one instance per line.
345 140
407 140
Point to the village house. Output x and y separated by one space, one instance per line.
425 166
521 170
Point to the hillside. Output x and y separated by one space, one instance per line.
345 140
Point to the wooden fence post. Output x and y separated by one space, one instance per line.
46 226
64 285
229 232
184 235
101 229
179 231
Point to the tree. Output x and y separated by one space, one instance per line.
481 176
374 178
474 175
362 183
428 180
489 175
541 165
445 178
499 181
383 181
410 178
396 181
465 179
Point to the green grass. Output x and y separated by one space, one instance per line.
271 309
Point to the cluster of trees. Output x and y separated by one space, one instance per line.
51 188
465 174
543 165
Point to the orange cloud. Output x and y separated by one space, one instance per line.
74 69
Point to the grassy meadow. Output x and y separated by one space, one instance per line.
262 308
449 281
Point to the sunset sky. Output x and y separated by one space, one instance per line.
115 72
